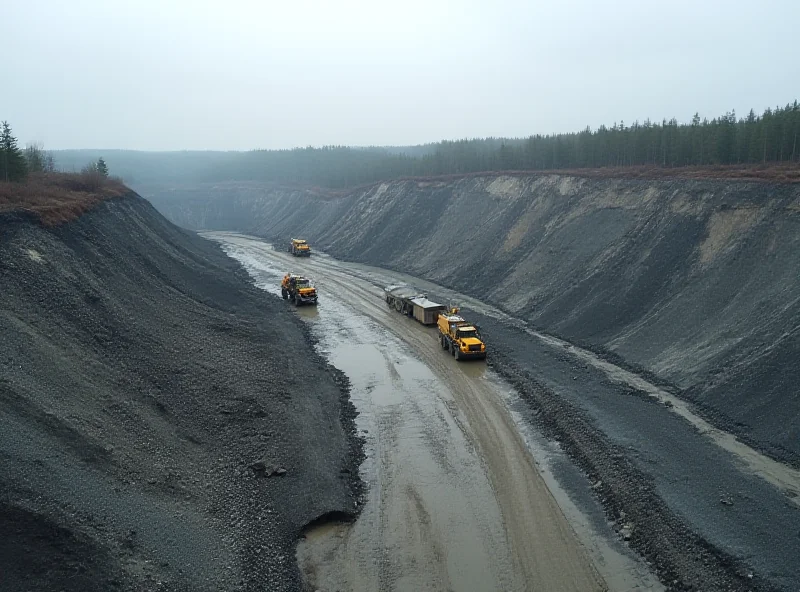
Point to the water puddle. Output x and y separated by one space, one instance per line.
430 520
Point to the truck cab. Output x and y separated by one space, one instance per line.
298 289
299 247
460 337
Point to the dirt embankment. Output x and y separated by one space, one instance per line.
694 281
141 375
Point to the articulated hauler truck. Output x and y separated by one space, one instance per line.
455 334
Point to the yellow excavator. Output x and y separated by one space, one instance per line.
459 337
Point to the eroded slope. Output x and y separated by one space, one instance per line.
141 374
693 280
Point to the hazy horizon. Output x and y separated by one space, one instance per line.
247 75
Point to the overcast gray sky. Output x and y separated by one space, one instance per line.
194 74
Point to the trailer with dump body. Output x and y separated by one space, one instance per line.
459 337
426 311
411 302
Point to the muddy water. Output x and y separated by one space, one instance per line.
431 521
456 501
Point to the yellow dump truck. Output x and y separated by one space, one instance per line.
460 337
299 247
298 289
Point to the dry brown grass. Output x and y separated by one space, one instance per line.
56 198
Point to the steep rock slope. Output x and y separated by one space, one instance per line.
141 374
694 281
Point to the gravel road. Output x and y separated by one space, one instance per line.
456 501
694 281
708 512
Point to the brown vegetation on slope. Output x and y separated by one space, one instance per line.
56 198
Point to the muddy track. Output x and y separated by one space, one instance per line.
534 537
693 281
706 510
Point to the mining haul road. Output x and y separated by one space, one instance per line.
472 467
455 498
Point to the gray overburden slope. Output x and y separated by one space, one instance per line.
695 282
141 375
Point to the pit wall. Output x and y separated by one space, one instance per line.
696 282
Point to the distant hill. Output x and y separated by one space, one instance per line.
138 168
724 141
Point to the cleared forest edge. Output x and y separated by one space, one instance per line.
769 173
148 395
691 280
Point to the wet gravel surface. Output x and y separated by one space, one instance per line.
683 503
141 377
694 280
453 494
701 517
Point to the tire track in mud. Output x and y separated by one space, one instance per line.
543 561
684 559
544 552
784 477
399 555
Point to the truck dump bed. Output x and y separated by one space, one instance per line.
427 311
409 301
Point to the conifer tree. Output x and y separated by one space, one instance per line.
12 160
101 167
